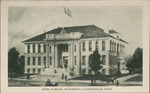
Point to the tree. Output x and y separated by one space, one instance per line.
135 61
13 56
95 64
20 65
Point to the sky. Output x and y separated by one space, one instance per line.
26 22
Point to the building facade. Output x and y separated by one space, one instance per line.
71 47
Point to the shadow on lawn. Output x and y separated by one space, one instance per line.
137 78
99 77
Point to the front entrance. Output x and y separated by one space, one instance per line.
62 55
65 61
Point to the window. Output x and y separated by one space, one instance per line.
50 60
50 49
110 46
75 60
74 47
28 70
90 46
33 70
83 60
117 49
44 48
96 45
28 48
33 60
104 60
34 48
89 60
39 70
44 59
103 45
39 48
83 46
39 60
28 62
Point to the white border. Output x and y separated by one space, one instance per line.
4 42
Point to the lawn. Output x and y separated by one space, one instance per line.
99 77
136 78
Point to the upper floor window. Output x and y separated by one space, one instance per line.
83 60
44 48
90 46
39 60
74 47
44 59
50 49
28 61
83 46
96 45
33 60
28 48
110 46
104 59
34 48
103 45
39 48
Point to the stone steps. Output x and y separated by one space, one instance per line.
51 71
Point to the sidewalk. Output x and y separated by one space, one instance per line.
126 77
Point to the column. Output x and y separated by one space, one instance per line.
42 48
87 63
93 45
107 44
56 56
47 54
26 47
31 48
100 45
53 60
42 62
36 48
36 61
26 60
69 57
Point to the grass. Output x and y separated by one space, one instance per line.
99 77
136 78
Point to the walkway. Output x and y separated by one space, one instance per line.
126 77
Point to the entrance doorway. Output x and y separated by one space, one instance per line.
62 57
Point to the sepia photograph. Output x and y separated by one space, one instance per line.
68 45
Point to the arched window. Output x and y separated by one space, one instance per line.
39 48
90 46
83 46
103 45
96 45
